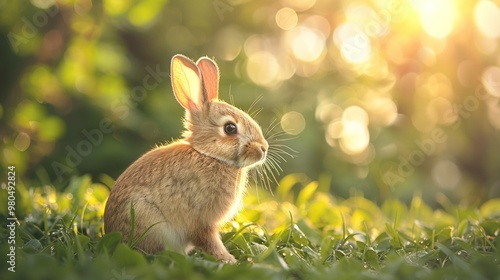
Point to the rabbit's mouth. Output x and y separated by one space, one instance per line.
253 154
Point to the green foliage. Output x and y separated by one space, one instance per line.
368 92
381 107
300 233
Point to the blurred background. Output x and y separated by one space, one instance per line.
382 98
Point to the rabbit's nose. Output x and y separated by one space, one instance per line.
264 146
263 149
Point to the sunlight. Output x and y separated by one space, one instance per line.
43 4
293 122
334 129
382 119
446 174
355 113
307 44
299 5
355 137
116 7
263 68
22 141
437 17
487 18
493 113
286 18
353 43
229 43
491 80
382 110
327 112
144 12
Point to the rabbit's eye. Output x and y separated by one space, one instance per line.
230 128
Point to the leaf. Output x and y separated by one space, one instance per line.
257 248
286 185
306 193
339 254
361 245
125 256
466 246
418 209
83 240
384 245
382 242
371 257
291 257
491 227
394 210
462 227
394 240
51 128
299 237
81 244
32 245
459 262
309 231
444 235
78 187
326 247
108 242
490 209
271 248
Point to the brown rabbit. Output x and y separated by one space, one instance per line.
188 188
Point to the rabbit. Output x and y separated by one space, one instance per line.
184 191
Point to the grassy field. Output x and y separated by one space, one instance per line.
299 232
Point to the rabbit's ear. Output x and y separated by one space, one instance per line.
210 77
186 82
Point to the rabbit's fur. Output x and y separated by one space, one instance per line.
185 190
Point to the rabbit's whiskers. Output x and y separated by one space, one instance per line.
267 174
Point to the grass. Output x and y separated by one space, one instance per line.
299 233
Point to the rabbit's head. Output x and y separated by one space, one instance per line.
213 127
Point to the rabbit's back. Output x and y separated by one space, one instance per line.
174 186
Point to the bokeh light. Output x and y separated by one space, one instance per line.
293 122
437 17
355 137
43 4
286 18
229 43
307 44
383 110
299 5
487 18
446 174
367 81
22 141
355 114
491 80
263 68
354 44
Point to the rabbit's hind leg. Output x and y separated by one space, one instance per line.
155 231
208 239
